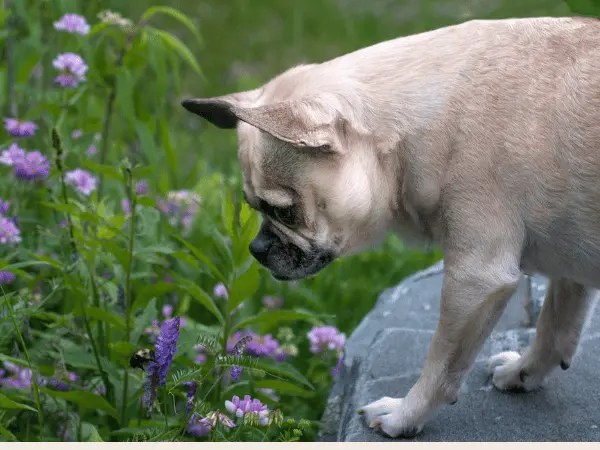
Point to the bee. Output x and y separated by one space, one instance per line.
140 358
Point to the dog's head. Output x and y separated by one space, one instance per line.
310 170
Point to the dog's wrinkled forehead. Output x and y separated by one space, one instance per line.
267 163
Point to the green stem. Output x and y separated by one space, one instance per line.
112 96
36 391
128 288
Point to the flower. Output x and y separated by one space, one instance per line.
325 338
272 302
76 134
7 277
32 167
81 180
338 365
192 386
220 291
166 346
201 357
4 206
113 18
92 150
15 377
198 426
72 67
242 407
167 311
126 206
262 346
11 156
180 207
142 187
19 128
72 23
9 233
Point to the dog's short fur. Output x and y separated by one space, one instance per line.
482 137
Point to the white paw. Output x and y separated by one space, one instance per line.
509 375
391 417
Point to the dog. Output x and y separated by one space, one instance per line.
482 138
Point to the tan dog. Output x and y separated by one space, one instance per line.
483 137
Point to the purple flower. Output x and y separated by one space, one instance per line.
126 206
19 128
201 357
9 233
166 346
13 155
220 291
142 187
192 386
262 346
81 180
167 311
4 206
72 67
7 277
242 407
198 427
180 207
325 338
271 302
92 150
235 372
72 23
338 365
33 166
237 350
76 134
58 385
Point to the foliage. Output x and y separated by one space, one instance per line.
126 231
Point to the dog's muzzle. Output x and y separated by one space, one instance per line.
287 261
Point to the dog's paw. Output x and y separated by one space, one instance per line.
509 375
391 417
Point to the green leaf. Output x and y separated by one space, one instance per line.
180 48
584 7
203 259
151 291
143 321
84 399
24 264
177 15
124 95
244 287
8 435
170 154
198 294
145 136
285 370
104 316
270 318
149 202
184 376
91 432
228 214
8 403
108 171
283 387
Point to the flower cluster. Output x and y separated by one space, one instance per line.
72 70
180 207
29 166
328 339
19 128
9 234
83 181
166 346
248 406
202 426
16 377
72 23
113 18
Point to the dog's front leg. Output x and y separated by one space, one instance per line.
474 294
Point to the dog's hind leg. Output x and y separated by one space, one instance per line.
559 326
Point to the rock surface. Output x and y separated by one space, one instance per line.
385 354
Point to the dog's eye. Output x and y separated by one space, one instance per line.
285 215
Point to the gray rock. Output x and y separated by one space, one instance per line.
385 354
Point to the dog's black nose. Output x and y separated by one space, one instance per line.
259 248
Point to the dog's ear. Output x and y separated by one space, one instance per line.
307 123
219 110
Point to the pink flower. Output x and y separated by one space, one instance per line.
81 180
72 67
19 128
72 23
